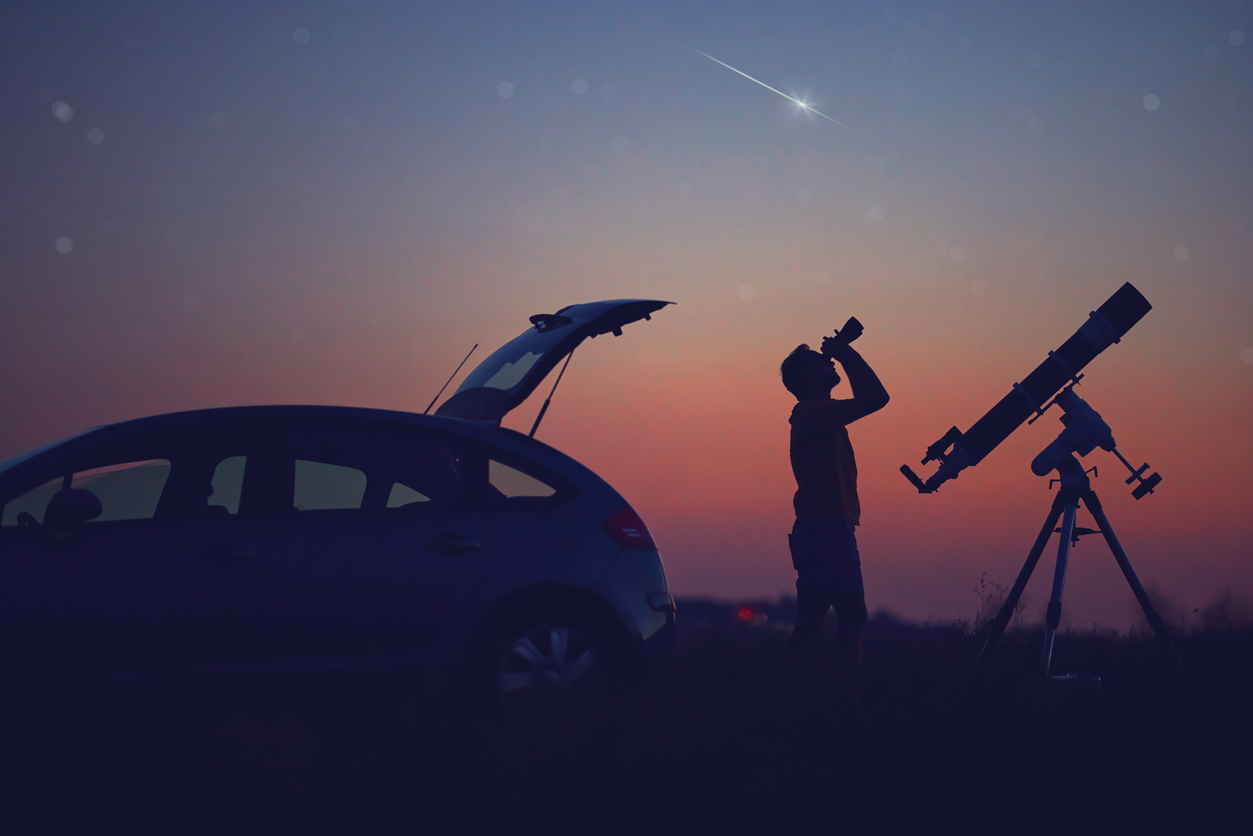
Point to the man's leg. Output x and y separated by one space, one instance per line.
806 542
849 600
850 609
811 614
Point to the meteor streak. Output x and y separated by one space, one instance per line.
772 90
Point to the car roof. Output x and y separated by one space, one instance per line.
278 414
9 464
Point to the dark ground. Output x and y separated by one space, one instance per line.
723 741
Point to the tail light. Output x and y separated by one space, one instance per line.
628 530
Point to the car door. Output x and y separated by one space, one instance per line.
383 541
152 580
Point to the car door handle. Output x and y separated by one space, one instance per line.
453 544
225 553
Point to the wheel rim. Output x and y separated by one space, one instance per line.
545 664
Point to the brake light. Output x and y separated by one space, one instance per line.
628 530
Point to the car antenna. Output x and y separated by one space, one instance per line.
549 399
445 386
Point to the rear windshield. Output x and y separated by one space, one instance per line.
510 363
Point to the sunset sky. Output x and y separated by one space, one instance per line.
219 203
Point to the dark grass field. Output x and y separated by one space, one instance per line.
724 741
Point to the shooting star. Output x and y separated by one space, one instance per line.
772 90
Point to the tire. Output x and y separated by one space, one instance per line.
550 663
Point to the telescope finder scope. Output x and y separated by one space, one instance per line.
1104 327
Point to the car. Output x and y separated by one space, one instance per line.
266 539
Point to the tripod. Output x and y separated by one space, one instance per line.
1075 487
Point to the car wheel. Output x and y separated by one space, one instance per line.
551 666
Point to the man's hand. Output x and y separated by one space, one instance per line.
834 346
837 349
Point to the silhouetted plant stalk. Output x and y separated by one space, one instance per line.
991 598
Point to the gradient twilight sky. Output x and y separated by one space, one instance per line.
217 203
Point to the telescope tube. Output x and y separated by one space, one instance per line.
1105 326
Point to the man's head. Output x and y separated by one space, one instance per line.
808 374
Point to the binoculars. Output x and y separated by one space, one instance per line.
851 331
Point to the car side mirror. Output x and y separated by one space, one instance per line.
71 507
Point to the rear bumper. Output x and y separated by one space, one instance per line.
636 586
658 649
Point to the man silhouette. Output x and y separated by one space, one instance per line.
823 542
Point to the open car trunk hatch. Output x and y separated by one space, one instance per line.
511 373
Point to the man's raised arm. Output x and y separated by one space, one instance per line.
868 393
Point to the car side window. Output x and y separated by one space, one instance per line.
127 491
188 485
167 473
437 474
513 483
228 484
352 466
33 502
401 495
321 486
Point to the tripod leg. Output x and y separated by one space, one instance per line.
1053 616
1150 612
1011 601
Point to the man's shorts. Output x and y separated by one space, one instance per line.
824 554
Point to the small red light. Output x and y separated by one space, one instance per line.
746 614
628 530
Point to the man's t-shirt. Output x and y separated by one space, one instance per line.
822 461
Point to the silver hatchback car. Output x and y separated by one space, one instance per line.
278 538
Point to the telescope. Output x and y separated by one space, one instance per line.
1105 326
1084 431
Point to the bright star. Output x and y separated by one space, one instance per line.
772 90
